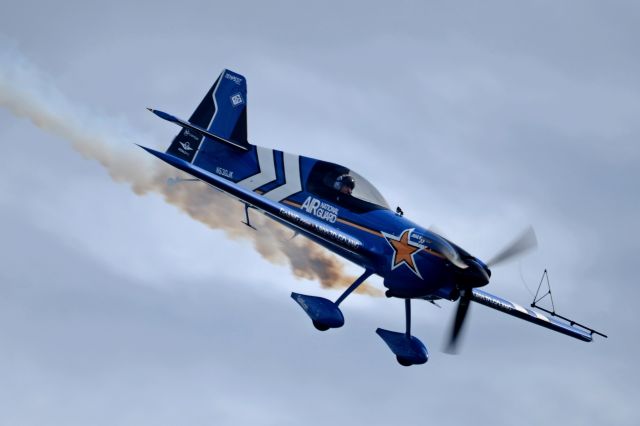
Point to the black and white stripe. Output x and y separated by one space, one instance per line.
267 173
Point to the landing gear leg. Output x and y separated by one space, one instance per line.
367 273
407 314
324 313
409 350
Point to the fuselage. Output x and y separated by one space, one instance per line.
413 261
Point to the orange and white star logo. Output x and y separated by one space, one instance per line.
404 250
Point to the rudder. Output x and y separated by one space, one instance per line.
222 111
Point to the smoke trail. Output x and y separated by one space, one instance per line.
26 92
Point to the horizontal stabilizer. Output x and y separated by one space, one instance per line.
521 312
197 129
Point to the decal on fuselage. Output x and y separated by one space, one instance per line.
186 147
235 79
320 209
192 135
404 250
224 172
321 230
421 239
236 100
267 173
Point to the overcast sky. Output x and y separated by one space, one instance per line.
479 117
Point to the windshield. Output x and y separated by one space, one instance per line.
364 190
345 187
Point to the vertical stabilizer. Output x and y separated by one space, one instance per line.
223 112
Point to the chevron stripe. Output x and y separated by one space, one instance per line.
292 179
267 170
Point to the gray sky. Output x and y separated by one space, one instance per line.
480 117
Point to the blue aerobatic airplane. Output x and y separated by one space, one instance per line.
340 210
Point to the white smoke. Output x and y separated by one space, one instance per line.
27 92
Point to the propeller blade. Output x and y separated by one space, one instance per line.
461 313
525 242
436 229
443 246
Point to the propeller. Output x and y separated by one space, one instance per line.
436 229
523 243
442 246
461 314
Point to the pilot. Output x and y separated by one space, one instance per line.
345 184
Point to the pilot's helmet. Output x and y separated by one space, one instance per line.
344 181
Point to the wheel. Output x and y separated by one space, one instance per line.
320 326
404 361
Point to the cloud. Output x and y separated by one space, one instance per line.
481 118
26 92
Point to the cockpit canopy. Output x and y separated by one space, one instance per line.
327 179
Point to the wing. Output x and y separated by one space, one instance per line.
521 312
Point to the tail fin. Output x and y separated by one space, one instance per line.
223 112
